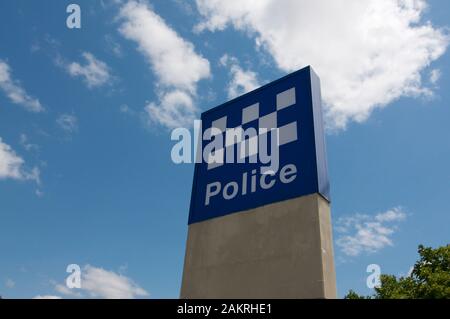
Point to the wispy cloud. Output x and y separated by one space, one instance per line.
367 53
363 233
113 46
174 61
15 92
242 81
94 72
125 109
26 144
67 122
435 75
9 283
12 165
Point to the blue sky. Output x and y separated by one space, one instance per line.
85 119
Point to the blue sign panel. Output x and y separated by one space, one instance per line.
263 147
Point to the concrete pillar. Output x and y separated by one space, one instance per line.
281 250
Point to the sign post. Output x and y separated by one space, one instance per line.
259 221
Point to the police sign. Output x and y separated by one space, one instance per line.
263 147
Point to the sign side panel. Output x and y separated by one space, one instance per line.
319 135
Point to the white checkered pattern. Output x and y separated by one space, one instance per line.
286 133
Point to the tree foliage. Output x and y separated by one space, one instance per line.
429 279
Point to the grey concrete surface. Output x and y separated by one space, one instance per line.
281 250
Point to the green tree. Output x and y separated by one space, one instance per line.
429 279
353 295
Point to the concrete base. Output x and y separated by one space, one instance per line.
282 250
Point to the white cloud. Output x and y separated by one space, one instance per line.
392 215
242 81
64 290
46 297
174 61
95 73
12 165
9 283
24 141
175 109
67 122
101 283
15 92
172 58
125 109
367 234
367 53
435 75
113 46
